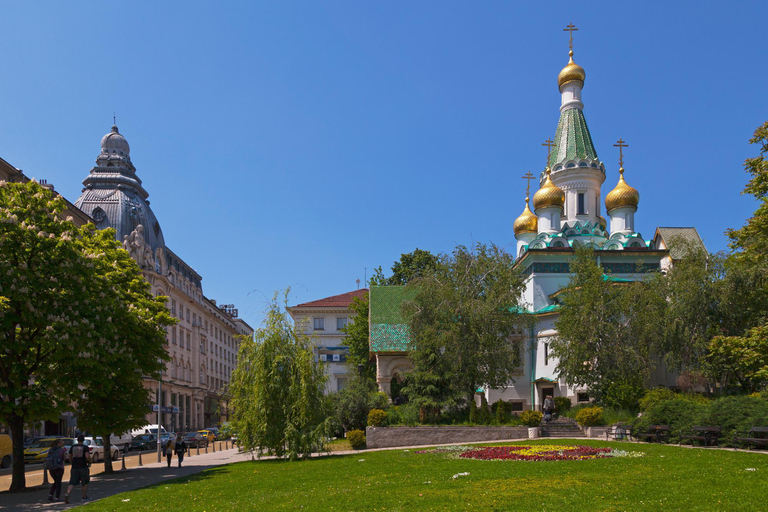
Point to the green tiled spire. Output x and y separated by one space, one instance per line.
572 139
389 330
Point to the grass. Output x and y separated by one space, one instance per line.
665 478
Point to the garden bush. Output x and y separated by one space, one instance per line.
485 413
356 439
377 418
654 396
623 395
473 412
590 416
503 409
531 418
562 404
406 414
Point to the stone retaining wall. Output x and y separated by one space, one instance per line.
389 437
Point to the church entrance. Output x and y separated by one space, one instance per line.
544 393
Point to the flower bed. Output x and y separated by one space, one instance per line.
532 453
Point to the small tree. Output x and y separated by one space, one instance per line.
462 320
357 339
277 390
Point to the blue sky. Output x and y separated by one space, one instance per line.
297 143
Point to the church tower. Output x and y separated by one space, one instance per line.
575 166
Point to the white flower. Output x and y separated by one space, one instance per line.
751 469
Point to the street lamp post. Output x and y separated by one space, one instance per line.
159 412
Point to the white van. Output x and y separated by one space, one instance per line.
148 429
123 441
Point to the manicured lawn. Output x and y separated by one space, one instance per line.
665 478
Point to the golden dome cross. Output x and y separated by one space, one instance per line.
621 144
549 143
570 28
528 177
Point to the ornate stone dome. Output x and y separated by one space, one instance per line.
527 222
622 195
114 143
572 72
548 195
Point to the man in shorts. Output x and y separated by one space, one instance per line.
80 473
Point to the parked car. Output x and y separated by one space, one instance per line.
147 429
6 451
164 437
195 440
96 447
208 435
38 451
144 442
216 432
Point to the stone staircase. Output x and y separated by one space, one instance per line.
561 427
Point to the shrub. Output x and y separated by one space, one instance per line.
623 395
377 418
485 414
356 439
473 412
562 404
406 414
590 416
654 396
502 411
531 418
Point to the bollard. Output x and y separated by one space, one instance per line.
214 446
206 447
140 464
123 461
198 448
227 445
45 476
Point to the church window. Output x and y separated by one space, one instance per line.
581 204
546 354
341 383
319 324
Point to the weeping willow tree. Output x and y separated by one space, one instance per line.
277 390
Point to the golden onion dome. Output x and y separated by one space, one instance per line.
622 195
548 195
572 72
527 222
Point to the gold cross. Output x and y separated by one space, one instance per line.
570 28
528 177
549 143
621 145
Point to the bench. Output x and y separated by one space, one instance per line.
657 433
707 435
757 436
618 432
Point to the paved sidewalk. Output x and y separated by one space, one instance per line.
103 485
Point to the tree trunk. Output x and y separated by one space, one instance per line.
18 480
107 453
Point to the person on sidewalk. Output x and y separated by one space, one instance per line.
57 454
181 448
169 450
80 457
549 407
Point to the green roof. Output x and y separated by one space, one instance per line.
613 279
572 139
389 330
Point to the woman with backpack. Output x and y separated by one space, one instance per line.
54 463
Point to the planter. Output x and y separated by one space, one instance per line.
533 432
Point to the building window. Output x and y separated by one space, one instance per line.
319 324
341 322
582 397
189 344
341 383
187 314
517 406
546 354
581 206
173 334
173 307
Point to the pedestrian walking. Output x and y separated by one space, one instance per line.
169 450
181 448
549 407
80 473
54 463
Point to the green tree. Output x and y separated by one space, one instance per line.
62 287
357 339
115 399
606 332
277 390
743 358
462 319
411 266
